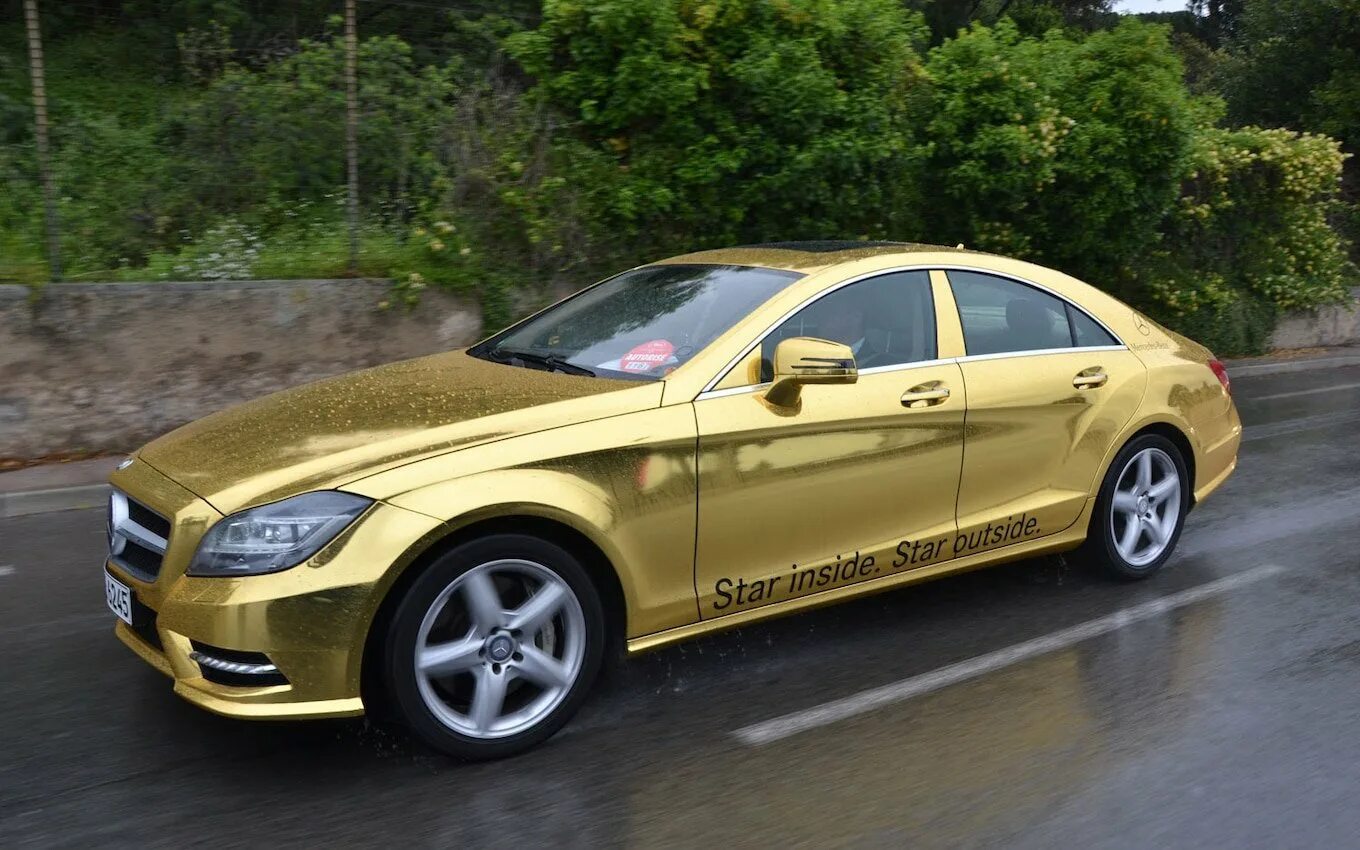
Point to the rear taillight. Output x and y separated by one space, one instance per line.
1221 372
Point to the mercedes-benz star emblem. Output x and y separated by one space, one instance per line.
500 649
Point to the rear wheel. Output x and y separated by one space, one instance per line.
494 646
1140 510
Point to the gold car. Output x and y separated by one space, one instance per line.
687 446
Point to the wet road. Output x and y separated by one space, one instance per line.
1215 705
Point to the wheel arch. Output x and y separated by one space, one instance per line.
1173 431
512 519
1096 544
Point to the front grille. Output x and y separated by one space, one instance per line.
137 536
148 519
139 559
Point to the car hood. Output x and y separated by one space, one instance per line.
323 434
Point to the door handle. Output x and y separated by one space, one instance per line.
1090 379
924 396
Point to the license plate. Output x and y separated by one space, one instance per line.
119 597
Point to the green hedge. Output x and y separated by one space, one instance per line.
616 131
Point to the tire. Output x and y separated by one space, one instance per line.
502 669
1124 499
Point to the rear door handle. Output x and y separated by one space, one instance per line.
924 396
1090 379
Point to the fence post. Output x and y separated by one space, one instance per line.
352 135
35 64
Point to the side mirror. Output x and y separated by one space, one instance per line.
806 360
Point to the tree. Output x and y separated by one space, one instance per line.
1033 17
736 120
1220 18
1297 63
1065 150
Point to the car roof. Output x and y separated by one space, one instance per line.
810 256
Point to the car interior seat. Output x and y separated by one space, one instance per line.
1031 325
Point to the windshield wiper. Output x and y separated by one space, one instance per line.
552 361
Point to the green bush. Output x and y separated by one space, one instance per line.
1237 327
1064 151
317 247
516 204
1296 63
264 138
1091 155
633 129
1250 233
735 120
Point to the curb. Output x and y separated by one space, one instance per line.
1250 368
27 502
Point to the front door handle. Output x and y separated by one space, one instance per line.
924 395
1090 379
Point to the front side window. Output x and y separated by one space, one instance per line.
642 324
887 320
1001 316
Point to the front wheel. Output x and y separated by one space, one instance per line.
1140 509
494 646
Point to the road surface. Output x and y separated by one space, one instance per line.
1030 705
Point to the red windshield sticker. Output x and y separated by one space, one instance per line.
648 356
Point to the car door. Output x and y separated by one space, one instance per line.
1049 389
854 483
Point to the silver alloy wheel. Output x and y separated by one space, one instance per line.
1146 506
488 671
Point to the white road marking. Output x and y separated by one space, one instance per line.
778 728
6 570
1294 393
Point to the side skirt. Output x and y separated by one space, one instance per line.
1069 538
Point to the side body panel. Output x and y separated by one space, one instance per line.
1035 443
1061 541
1183 392
845 487
626 483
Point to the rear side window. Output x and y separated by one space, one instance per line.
1085 331
1001 316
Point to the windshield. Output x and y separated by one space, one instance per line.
641 324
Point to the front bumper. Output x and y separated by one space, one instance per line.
311 621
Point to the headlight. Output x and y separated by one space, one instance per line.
275 537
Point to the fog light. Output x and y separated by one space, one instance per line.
235 667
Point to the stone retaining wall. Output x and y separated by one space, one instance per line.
1337 325
105 367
